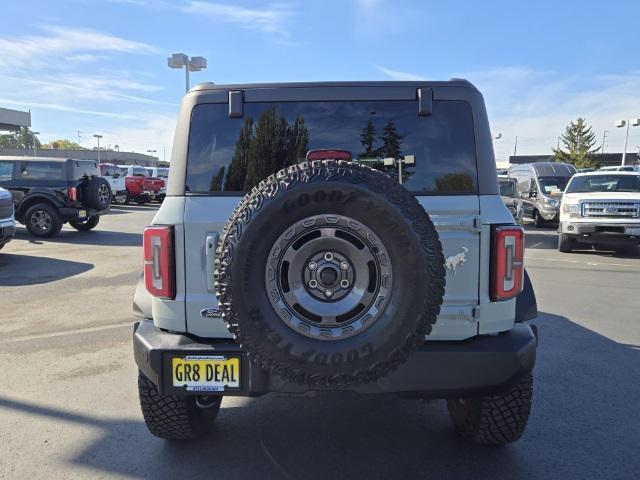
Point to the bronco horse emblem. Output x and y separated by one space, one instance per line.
455 261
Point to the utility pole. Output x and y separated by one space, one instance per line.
604 138
515 147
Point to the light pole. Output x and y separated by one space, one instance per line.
98 137
193 64
604 138
407 160
622 123
35 151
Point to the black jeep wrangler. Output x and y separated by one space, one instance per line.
48 192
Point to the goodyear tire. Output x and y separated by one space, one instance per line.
329 274
98 193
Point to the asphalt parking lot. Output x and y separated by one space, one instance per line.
69 408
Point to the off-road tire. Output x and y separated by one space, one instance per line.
55 224
565 243
97 193
494 420
274 346
86 225
174 417
142 199
538 221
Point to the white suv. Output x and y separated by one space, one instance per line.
601 209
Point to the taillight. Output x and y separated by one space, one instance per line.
507 256
72 194
159 264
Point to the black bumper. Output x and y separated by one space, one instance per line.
73 213
7 233
478 366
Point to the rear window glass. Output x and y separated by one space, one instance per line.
109 170
235 154
140 172
507 188
43 170
5 171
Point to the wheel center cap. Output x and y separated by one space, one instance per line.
328 276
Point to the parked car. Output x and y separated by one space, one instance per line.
140 187
329 274
509 193
620 168
163 173
601 209
112 174
48 192
540 187
7 220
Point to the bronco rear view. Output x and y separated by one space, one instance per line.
335 236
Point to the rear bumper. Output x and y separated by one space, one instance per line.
478 366
7 231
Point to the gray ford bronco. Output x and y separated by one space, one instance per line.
335 236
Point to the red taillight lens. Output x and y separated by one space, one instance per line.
328 154
159 264
507 256
72 194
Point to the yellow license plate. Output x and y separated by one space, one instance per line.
206 373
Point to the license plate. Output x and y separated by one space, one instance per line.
206 373
82 213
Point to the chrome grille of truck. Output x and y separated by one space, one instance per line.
610 209
6 208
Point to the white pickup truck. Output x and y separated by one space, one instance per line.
112 174
601 209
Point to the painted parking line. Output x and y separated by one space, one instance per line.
591 264
67 332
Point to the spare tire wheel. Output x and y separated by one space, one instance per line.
329 274
97 193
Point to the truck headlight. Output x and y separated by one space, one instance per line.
550 201
570 209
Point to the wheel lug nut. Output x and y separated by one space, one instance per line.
328 256
328 293
344 283
313 283
344 266
313 265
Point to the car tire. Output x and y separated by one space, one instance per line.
496 419
121 198
141 199
627 249
344 214
174 417
97 193
85 225
565 243
43 220
538 221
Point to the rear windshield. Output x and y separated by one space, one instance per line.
605 183
83 168
109 170
235 154
507 188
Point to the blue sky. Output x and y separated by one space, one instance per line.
100 66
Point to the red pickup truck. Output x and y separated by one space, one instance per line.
140 186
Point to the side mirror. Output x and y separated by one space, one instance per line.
533 194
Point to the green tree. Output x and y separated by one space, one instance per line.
578 145
216 181
267 151
367 139
63 144
391 141
238 167
23 138
296 142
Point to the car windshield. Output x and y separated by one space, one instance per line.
109 170
163 172
507 188
605 183
437 152
553 185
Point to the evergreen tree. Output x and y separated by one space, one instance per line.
367 139
579 141
391 141
297 142
216 181
267 151
238 166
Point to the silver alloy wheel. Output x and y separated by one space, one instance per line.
41 220
328 277
104 196
120 199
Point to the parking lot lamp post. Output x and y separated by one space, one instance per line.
625 123
35 145
98 137
193 64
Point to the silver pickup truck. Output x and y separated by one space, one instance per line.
335 236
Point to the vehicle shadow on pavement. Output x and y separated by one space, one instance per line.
134 208
17 270
95 237
584 424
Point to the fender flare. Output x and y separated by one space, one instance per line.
526 304
142 300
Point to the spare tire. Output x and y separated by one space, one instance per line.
97 193
329 274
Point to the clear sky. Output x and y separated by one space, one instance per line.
100 66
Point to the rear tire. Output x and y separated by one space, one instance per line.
174 417
538 221
98 193
85 225
627 249
43 220
141 199
494 420
565 243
